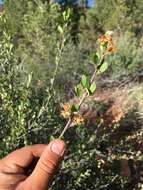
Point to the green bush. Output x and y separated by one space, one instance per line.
128 55
25 109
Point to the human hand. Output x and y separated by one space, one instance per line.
18 171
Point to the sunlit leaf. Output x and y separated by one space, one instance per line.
84 81
104 67
75 107
79 90
60 29
93 87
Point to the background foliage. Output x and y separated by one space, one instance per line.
30 44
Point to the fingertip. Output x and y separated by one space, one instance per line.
58 147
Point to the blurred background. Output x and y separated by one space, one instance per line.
45 47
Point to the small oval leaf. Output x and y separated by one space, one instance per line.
96 58
93 87
75 108
79 90
84 81
104 67
60 29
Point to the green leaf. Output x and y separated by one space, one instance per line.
75 89
52 138
103 47
93 87
96 58
29 80
103 67
66 15
79 90
84 80
75 107
60 29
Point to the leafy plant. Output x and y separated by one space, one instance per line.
87 86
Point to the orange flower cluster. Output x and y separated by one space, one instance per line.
77 118
106 39
66 112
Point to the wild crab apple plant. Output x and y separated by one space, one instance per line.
87 85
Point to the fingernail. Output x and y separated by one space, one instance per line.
58 147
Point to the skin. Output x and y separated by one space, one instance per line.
31 167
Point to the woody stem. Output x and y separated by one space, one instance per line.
66 127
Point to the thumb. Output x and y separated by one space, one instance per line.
48 162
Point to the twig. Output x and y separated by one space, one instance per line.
66 127
84 96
